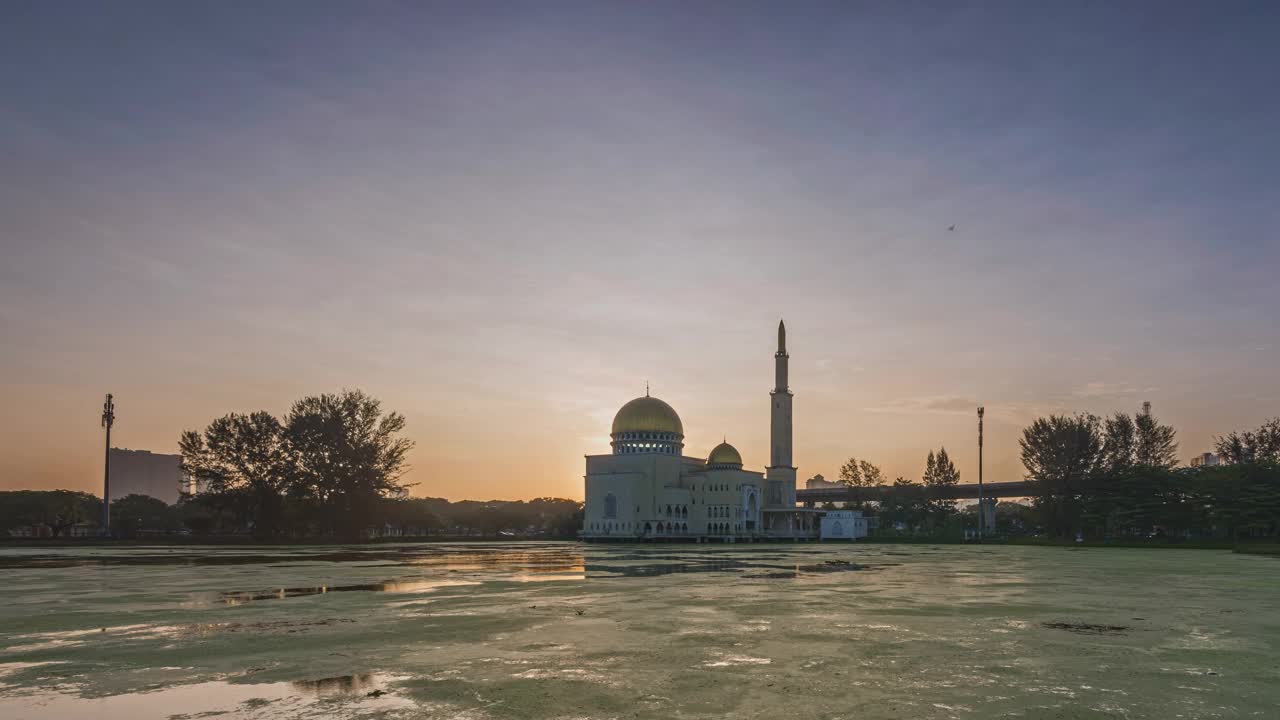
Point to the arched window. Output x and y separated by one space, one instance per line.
610 506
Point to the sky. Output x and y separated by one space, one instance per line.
502 219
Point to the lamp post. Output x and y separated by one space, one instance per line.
108 419
981 510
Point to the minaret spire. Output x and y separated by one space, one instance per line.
781 471
780 361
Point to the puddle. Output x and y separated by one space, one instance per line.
362 684
301 698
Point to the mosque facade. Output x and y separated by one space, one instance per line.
647 488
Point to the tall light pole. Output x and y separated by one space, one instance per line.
981 510
108 419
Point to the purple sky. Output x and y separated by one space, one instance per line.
503 218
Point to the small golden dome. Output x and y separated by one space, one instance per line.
647 414
724 454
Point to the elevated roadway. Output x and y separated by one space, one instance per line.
1017 488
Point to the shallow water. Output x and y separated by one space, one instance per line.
560 630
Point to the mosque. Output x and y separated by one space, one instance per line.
648 489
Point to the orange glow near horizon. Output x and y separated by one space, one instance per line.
524 435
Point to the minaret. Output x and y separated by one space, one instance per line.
781 471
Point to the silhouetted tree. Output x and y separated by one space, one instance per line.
244 462
55 510
908 505
860 473
1261 445
346 456
1060 453
1155 445
133 513
1119 442
939 475
1137 440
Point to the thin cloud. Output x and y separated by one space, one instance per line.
1100 389
932 404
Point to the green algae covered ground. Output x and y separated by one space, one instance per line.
561 630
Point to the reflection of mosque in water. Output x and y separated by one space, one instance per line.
647 489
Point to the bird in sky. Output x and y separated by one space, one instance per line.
951 229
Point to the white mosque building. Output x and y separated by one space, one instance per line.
648 489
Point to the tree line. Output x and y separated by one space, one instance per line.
916 506
1118 477
322 469
56 513
330 467
1112 477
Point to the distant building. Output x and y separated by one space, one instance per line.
142 472
1206 460
817 482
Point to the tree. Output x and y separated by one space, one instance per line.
1060 453
56 510
412 516
243 461
1119 442
908 505
346 456
1155 445
1138 440
132 513
860 473
940 474
1261 445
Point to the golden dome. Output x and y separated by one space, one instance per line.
647 414
724 454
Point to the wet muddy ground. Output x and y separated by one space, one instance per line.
560 630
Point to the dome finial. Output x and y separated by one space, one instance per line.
782 336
